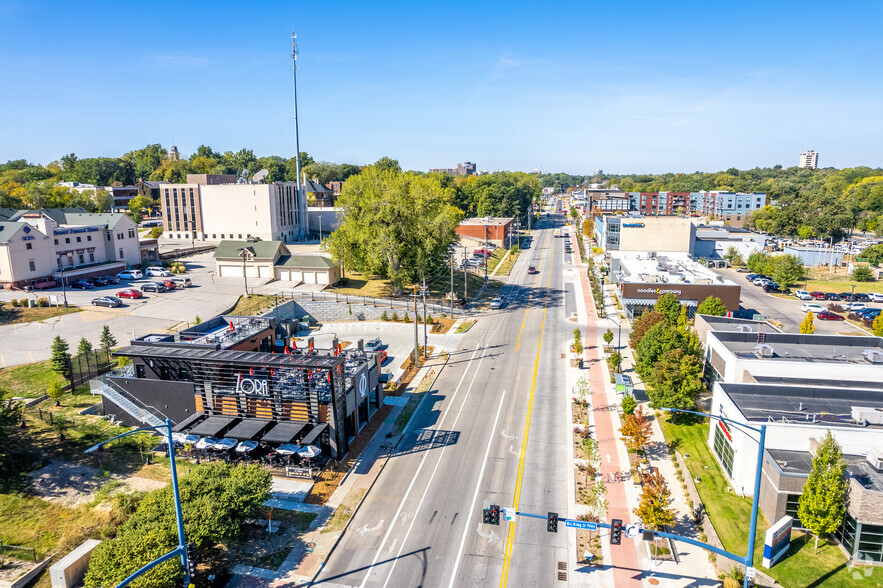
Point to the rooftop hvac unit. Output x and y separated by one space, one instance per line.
875 458
764 350
873 355
744 328
867 416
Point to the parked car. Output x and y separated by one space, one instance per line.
817 295
847 296
811 307
497 302
876 297
130 293
381 357
869 313
832 296
854 306
803 295
751 277
373 344
100 281
861 297
168 284
82 285
771 288
532 270
182 282
154 287
827 315
157 272
130 275
481 251
108 301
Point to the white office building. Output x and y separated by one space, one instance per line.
809 160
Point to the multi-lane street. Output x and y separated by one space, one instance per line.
491 430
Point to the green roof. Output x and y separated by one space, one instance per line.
305 261
262 249
8 229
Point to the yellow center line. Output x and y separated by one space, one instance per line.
526 308
533 386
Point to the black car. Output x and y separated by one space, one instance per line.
771 287
847 297
861 297
832 296
100 281
154 287
108 301
82 285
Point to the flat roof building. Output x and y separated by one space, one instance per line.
809 159
487 229
639 233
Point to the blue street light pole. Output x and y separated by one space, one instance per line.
179 517
752 532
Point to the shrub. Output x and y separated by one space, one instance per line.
384 316
156 232
406 318
197 320
863 273
14 302
395 316
42 302
430 320
629 404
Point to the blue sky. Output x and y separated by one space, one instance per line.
625 86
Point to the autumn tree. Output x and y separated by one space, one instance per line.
808 327
636 428
878 326
644 323
822 505
654 508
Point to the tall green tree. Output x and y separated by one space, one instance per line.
677 380
395 225
107 340
785 269
757 262
670 306
822 505
138 207
645 322
60 359
84 346
10 417
712 306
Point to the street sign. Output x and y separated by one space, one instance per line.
509 514
581 524
750 573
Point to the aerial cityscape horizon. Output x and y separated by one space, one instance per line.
508 88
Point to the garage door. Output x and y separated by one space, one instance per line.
283 275
321 277
265 271
309 277
230 271
250 271
296 275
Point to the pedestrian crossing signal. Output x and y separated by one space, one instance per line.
552 522
492 515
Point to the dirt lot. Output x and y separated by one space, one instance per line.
71 484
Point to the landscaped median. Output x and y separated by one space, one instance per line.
730 514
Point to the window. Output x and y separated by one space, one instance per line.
88 237
215 236
31 265
122 256
723 450
56 241
29 245
120 236
80 256
108 236
67 239
791 504
91 256
79 239
131 233
240 235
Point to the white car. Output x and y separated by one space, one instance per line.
854 306
158 272
810 307
373 344
497 302
130 275
803 295
876 297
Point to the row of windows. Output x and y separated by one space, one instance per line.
79 239
724 451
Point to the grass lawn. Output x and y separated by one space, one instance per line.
29 380
357 284
10 314
505 266
254 305
345 511
464 326
839 286
731 514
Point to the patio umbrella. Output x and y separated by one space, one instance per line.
183 438
309 452
206 442
246 446
287 449
224 445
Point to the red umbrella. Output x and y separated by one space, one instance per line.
231 327
287 350
251 371
272 373
294 344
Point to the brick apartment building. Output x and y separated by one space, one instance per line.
494 230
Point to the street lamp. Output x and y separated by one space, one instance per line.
618 342
181 550
192 235
752 532
243 253
63 284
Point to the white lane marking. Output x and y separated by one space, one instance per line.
437 463
490 536
364 528
414 479
503 433
475 497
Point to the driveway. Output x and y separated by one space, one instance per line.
209 296
788 311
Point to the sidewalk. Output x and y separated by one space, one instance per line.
303 564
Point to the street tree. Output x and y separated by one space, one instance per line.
822 505
862 273
107 340
712 306
84 347
60 360
138 207
878 326
654 508
676 380
757 262
636 428
670 306
394 225
785 269
645 322
807 326
608 336
661 338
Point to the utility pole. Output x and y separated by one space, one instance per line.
452 285
302 216
465 282
416 343
425 338
485 254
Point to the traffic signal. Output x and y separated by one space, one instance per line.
191 559
492 515
552 522
615 531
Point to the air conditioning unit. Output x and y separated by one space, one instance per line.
875 458
744 328
764 350
867 416
873 355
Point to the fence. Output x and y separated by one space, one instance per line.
17 552
404 302
86 366
178 253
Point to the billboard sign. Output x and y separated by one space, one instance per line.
776 541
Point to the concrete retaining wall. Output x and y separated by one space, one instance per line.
71 569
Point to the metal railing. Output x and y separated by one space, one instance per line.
100 387
405 302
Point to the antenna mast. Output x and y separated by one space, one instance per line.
300 213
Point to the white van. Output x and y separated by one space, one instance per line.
181 282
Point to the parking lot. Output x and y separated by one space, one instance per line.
786 310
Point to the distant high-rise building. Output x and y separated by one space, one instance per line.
462 169
173 153
809 160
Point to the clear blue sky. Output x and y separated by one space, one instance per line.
563 86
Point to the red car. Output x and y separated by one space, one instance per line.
168 284
481 252
827 315
532 270
129 294
817 295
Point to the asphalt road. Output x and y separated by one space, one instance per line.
786 310
490 431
